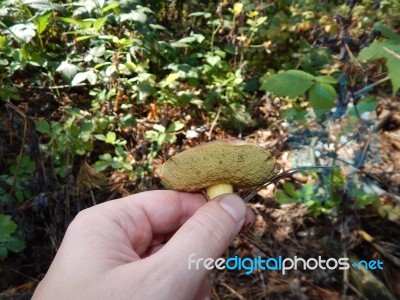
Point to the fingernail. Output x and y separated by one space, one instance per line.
234 206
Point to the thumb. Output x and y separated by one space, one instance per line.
207 234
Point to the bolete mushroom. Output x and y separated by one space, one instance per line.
218 167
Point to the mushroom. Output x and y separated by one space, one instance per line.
218 167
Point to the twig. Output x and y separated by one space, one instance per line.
232 291
380 249
22 146
256 242
369 87
354 289
280 176
214 122
55 87
391 52
352 56
389 191
93 198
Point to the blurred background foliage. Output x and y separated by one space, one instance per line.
96 93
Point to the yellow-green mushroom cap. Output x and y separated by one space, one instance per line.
229 161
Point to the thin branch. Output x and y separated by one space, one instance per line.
370 86
214 122
283 175
391 52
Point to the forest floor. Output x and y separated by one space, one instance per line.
285 230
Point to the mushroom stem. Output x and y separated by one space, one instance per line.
218 189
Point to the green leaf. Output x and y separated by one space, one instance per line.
42 22
159 128
111 70
84 37
170 138
106 157
91 77
171 78
74 111
377 50
199 37
3 40
82 76
101 165
386 32
283 198
326 79
7 226
69 20
152 135
290 190
98 23
179 45
213 60
41 5
9 92
88 146
391 51
3 252
193 38
134 15
79 77
100 137
368 104
5 237
188 39
200 14
307 191
43 126
293 83
175 126
110 7
68 70
87 128
117 165
15 245
322 98
23 32
27 165
393 65
157 27
120 152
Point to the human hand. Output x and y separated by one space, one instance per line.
137 247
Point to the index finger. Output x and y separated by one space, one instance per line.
136 219
165 210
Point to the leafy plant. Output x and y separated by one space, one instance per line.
18 179
326 194
161 135
318 201
8 242
66 140
390 211
388 49
295 83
